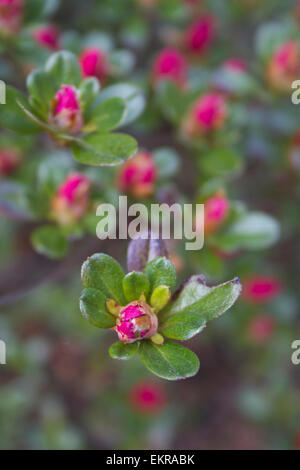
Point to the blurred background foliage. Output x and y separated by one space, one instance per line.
59 388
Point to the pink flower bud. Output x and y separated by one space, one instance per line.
94 63
11 16
47 36
284 66
147 397
260 289
200 34
71 200
170 64
215 212
138 175
66 113
136 321
209 113
261 328
9 161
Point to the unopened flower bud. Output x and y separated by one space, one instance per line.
138 175
136 321
170 64
147 397
70 202
200 34
94 63
260 289
209 113
9 160
66 113
11 16
47 36
284 66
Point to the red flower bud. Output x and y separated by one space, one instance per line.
261 328
284 66
71 199
47 36
9 161
147 397
209 113
170 64
200 34
66 113
11 16
260 289
94 63
138 175
215 212
136 321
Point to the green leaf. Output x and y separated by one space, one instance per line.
106 115
104 149
121 61
160 297
167 162
89 89
220 162
41 88
133 97
171 101
64 69
50 241
92 304
123 351
134 285
253 231
104 273
11 115
170 361
161 271
195 306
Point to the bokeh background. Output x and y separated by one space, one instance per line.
59 388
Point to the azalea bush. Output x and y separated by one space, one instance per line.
165 102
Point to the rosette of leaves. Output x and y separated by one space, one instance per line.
102 112
180 316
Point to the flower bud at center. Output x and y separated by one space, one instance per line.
136 321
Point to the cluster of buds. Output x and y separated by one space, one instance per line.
47 36
94 63
71 200
11 16
170 64
147 397
138 320
207 114
216 210
200 34
261 328
9 160
138 175
261 289
66 114
284 66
